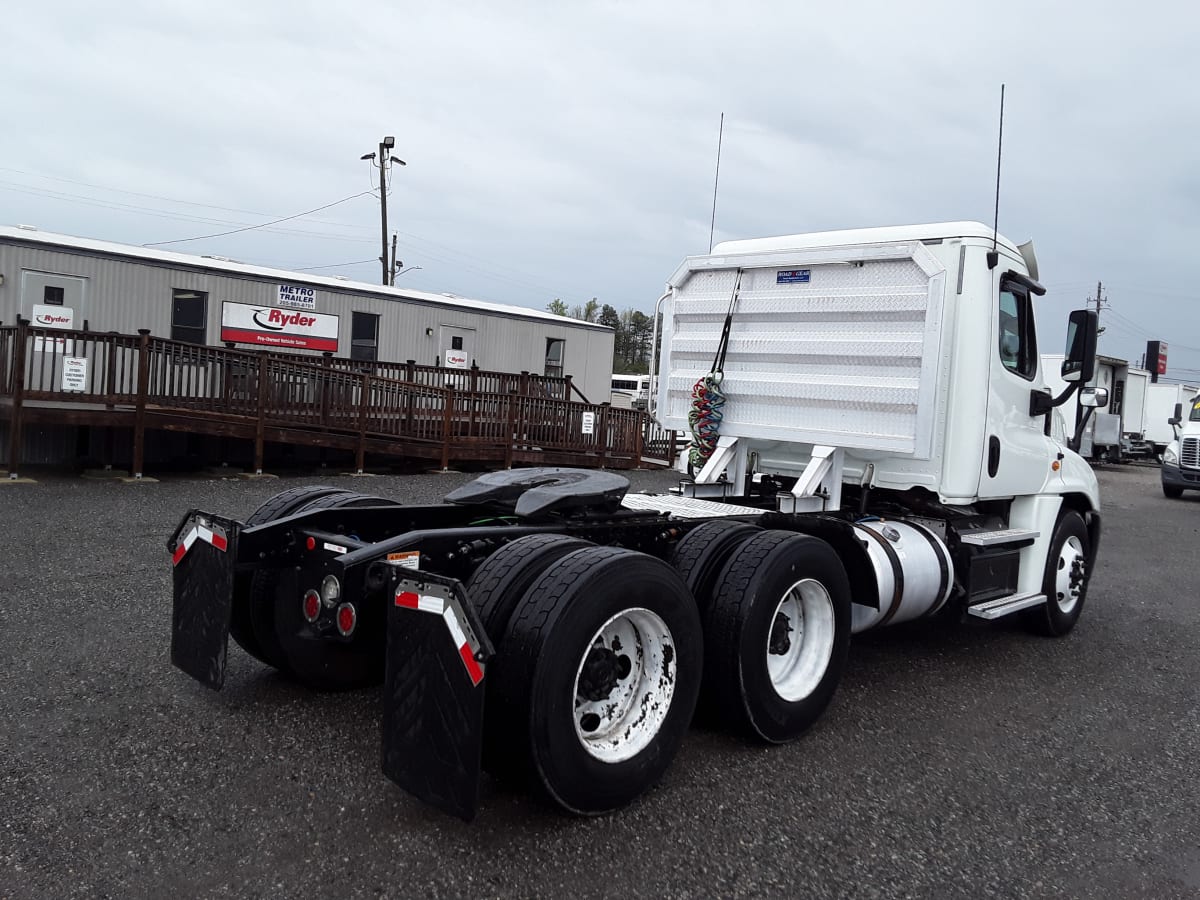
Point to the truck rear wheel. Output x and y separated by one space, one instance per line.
777 635
284 635
1065 580
703 552
282 504
597 678
503 578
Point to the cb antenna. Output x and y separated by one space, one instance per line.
993 257
716 178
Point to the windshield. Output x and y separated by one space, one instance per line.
1195 414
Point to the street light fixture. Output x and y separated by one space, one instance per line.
409 269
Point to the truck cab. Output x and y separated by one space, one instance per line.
1181 460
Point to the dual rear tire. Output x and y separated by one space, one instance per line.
597 669
776 612
601 653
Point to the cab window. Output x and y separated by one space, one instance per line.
1018 340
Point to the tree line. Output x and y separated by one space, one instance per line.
633 331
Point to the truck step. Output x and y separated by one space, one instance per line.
1003 606
1002 536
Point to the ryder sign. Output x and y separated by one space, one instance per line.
270 326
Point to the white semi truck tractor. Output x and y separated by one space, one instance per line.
872 444
1180 469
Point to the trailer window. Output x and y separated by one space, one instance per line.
1018 340
189 316
364 336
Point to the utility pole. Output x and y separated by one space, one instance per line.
392 270
1099 305
384 156
383 160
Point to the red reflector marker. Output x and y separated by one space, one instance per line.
310 543
347 618
312 605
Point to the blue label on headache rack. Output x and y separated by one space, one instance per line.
792 276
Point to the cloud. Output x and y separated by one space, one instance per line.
568 149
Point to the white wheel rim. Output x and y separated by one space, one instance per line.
618 713
800 640
1071 555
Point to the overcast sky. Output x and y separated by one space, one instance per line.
567 149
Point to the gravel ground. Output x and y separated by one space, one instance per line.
956 761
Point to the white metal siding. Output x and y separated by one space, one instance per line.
124 295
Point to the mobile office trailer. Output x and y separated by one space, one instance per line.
880 447
82 283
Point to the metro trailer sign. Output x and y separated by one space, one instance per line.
270 326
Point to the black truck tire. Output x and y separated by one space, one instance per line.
777 635
277 507
702 553
1172 491
503 578
280 629
597 679
1065 580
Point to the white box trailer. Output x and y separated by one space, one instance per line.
1161 400
876 444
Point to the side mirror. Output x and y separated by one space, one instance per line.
1080 362
1178 417
1094 397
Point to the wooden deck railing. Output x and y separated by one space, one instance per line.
439 414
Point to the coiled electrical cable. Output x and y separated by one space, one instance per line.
708 400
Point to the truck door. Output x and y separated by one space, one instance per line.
1017 453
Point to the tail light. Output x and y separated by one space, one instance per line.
347 618
311 606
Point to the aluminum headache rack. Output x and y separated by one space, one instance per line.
839 345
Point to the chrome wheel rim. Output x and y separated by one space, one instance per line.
1068 579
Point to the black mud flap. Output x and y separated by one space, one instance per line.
203 551
437 654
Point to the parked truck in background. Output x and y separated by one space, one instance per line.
876 443
1180 469
1163 402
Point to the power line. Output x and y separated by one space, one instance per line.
451 256
335 265
263 225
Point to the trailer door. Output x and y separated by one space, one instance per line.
457 347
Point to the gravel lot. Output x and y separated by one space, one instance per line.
956 761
